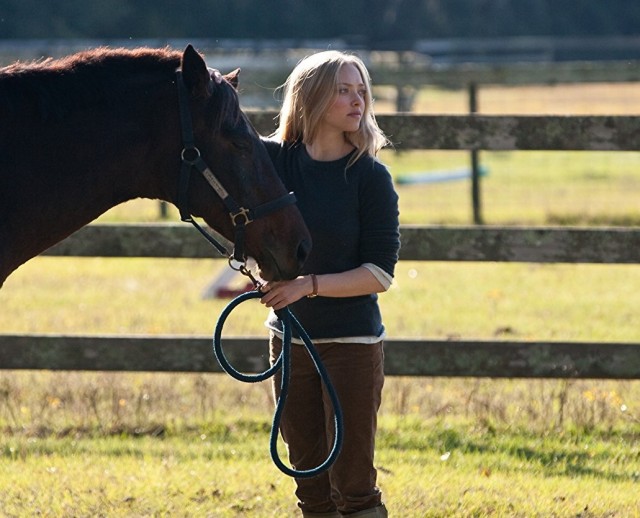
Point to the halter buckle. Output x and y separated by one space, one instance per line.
241 217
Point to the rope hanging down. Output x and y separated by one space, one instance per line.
283 362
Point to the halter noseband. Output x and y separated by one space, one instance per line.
191 158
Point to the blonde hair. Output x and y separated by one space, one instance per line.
310 90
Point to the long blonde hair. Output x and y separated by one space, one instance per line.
311 89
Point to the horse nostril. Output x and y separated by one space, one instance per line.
304 248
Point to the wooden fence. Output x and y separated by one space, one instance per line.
489 358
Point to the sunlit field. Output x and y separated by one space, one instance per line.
525 187
175 444
558 99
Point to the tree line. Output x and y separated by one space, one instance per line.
370 23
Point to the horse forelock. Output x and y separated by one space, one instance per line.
56 87
225 105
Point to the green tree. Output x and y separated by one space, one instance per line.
372 22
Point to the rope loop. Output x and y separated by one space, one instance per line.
283 362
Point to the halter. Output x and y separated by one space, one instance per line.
191 159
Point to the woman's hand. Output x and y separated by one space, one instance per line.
352 283
280 294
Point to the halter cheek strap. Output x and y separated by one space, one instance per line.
192 159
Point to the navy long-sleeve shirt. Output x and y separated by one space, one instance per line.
352 215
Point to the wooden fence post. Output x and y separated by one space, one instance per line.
475 162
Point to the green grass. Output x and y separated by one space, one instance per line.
524 188
161 444
186 475
427 468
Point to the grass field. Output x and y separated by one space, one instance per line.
109 444
152 444
427 470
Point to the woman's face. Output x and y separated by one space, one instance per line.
348 106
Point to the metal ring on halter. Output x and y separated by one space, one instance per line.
242 268
193 160
236 265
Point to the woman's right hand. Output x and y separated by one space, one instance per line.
279 294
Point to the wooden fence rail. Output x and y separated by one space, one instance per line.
420 243
499 132
417 357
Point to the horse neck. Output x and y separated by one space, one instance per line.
64 176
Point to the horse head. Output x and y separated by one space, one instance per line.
238 193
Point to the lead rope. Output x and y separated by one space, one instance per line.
283 362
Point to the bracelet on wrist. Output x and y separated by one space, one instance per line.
314 283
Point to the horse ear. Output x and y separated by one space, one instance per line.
195 73
232 77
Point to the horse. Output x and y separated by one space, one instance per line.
84 133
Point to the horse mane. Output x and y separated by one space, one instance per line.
51 89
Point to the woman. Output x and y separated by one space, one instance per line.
324 150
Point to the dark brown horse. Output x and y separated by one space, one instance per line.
82 134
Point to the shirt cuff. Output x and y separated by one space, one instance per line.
381 276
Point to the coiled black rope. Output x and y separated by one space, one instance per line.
283 362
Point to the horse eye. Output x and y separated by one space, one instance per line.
241 144
240 140
237 138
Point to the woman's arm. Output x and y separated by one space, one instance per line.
352 283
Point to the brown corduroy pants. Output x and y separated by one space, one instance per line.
307 426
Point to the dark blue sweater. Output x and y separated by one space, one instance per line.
352 215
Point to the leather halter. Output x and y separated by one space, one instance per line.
191 159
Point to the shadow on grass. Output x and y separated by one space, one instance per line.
550 454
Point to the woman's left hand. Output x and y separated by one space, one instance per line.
280 294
